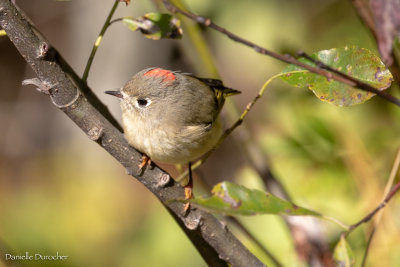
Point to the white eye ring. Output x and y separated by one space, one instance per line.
142 102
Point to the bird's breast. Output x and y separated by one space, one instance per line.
170 143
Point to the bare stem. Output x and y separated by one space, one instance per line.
98 41
369 242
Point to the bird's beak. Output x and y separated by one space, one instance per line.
115 93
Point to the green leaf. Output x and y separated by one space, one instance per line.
155 26
131 23
233 199
3 33
359 63
343 255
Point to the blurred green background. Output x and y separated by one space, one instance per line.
60 192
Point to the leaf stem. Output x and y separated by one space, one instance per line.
98 41
336 221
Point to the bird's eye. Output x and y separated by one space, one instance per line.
142 102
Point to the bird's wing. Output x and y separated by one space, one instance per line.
217 85
220 90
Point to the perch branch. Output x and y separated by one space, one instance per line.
215 243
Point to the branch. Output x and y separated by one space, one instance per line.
365 87
215 243
389 184
370 215
338 76
317 251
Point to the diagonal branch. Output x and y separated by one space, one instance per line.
217 245
388 196
389 184
337 76
383 204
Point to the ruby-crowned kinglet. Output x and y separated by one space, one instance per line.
172 117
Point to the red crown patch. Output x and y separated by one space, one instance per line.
168 76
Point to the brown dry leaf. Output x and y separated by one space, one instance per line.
127 2
386 14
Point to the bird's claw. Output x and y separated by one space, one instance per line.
145 161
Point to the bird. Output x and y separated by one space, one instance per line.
172 117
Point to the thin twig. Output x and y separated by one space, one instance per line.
369 216
249 106
338 76
392 177
365 86
336 221
371 236
98 41
236 124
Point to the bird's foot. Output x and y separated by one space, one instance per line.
145 161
